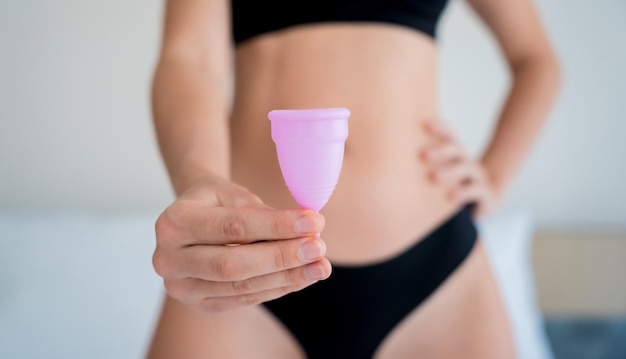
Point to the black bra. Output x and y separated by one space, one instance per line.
255 17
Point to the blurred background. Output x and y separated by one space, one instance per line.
81 180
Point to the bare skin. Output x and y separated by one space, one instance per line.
233 238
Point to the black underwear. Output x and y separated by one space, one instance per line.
349 314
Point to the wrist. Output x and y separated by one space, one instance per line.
196 180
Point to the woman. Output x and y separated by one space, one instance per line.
398 270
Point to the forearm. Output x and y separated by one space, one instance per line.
535 84
190 115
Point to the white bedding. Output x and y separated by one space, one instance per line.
80 284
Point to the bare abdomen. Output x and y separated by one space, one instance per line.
384 200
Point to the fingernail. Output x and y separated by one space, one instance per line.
307 224
315 271
311 250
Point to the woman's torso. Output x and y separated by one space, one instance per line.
386 75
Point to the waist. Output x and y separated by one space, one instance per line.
336 65
384 200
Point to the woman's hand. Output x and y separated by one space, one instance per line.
467 179
219 247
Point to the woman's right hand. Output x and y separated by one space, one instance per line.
219 247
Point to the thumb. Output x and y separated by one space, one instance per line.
239 196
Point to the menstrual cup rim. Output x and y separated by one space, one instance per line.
311 114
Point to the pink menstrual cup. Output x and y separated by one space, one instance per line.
310 146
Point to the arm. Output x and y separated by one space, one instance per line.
190 92
277 251
535 79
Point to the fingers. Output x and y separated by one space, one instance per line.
452 168
238 263
230 195
222 225
449 162
194 223
444 153
216 304
471 192
446 149
213 277
221 247
191 289
465 180
440 129
458 173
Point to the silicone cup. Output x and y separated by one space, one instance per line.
310 147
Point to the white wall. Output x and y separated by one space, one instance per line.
75 129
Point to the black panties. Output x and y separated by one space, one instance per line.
349 314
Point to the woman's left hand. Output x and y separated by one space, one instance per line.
449 165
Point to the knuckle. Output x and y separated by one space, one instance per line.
281 258
242 286
233 228
227 269
162 264
251 198
294 276
275 226
249 299
169 226
164 228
